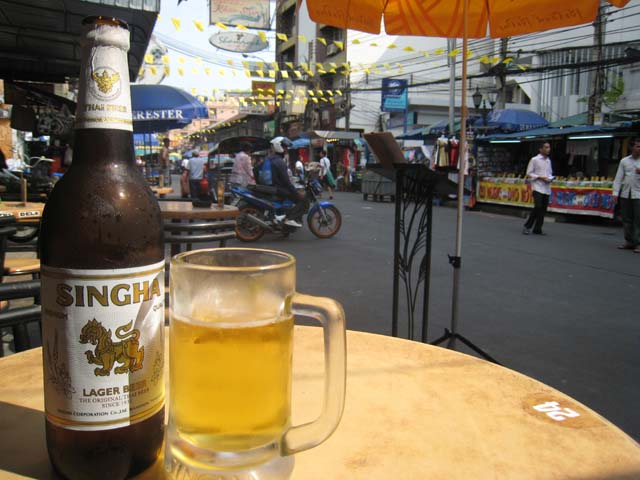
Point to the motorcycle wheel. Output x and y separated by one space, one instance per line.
246 230
325 229
24 234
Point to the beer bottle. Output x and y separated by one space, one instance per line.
102 295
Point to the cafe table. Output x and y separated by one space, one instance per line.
412 411
161 191
27 212
203 224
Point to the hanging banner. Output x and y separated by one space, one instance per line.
573 199
394 95
241 42
249 13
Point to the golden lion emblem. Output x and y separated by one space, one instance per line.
107 352
105 81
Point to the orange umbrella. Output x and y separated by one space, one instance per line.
445 18
455 19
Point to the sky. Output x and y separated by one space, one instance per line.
221 74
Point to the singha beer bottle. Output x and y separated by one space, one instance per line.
102 260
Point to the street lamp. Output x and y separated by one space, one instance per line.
480 103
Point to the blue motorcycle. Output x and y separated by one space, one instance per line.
259 205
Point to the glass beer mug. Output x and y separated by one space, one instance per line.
230 363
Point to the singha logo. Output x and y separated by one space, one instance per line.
107 352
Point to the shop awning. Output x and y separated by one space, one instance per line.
512 120
415 134
300 143
337 135
545 132
40 39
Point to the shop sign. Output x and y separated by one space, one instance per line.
242 42
249 13
394 95
515 194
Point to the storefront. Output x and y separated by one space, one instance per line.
584 158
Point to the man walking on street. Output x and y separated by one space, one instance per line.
541 175
325 172
626 185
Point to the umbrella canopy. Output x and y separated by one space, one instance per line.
512 120
444 18
158 108
232 145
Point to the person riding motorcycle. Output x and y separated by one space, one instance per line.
274 172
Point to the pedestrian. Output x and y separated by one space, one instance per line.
540 174
626 190
165 163
196 171
242 171
326 177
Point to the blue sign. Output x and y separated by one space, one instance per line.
394 95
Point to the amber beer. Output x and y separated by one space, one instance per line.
103 283
230 381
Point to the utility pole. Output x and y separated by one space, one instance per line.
595 100
347 111
502 75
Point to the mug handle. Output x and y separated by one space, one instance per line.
331 316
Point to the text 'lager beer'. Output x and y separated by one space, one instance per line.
102 260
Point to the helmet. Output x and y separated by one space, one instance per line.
280 144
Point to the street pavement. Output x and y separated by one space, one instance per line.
561 308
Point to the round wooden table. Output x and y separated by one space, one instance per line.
177 210
413 411
161 191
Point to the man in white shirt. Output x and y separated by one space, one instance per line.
626 185
541 175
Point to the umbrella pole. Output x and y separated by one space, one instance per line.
456 261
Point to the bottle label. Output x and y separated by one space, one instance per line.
105 100
103 345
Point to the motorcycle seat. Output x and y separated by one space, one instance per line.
266 189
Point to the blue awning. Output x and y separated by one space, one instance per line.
158 108
512 120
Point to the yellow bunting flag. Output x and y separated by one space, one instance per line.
275 66
289 65
282 36
180 71
221 25
373 44
167 70
247 73
284 74
199 25
221 72
387 66
523 67
495 59
176 23
207 71
453 53
322 40
330 93
315 100
355 41
484 59
339 92
241 27
302 38
311 93
272 74
148 58
262 35
165 59
507 60
469 54
230 62
408 48
245 64
297 73
181 60
439 51
340 45
260 73
392 46
193 91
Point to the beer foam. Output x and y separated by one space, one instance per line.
231 320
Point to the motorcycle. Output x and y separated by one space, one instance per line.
259 205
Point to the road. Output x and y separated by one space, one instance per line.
559 308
